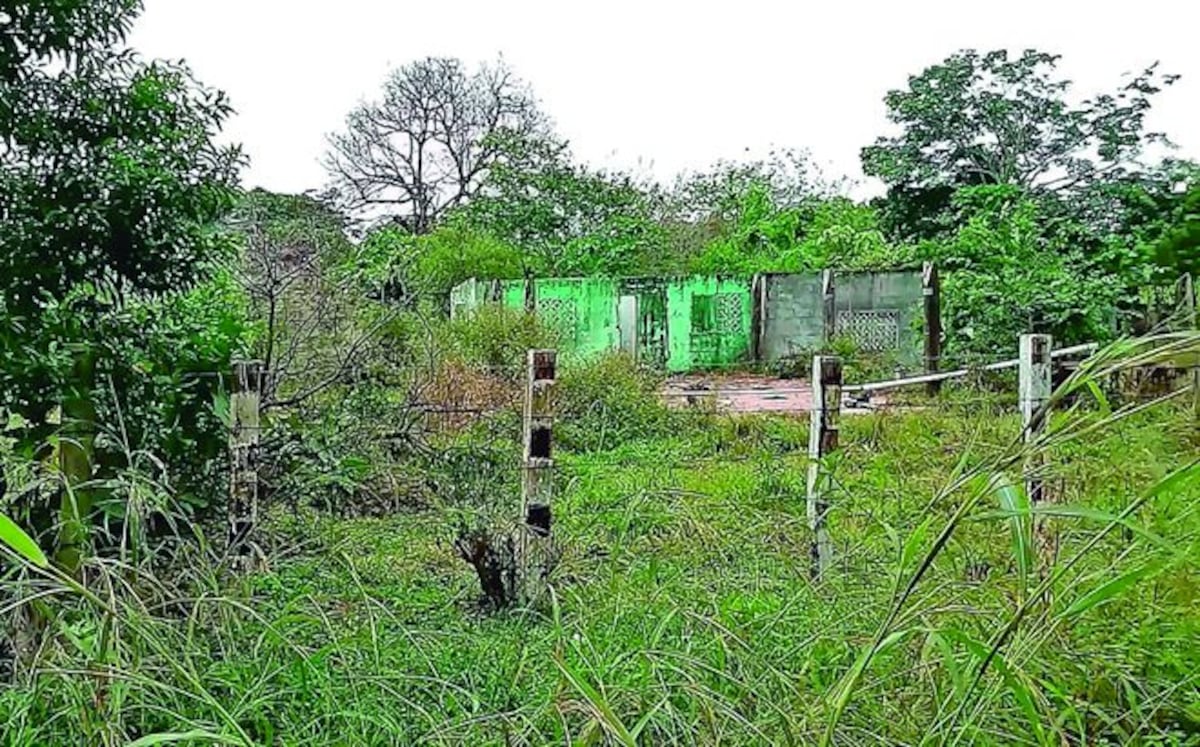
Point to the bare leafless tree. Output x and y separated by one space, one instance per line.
315 329
426 146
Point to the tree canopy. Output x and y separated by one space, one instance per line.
428 143
988 119
110 181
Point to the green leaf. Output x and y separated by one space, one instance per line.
1078 512
1013 679
849 681
21 543
1111 589
914 542
598 705
1098 394
1181 476
936 641
1015 502
180 736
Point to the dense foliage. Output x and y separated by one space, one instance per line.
133 272
110 186
1043 210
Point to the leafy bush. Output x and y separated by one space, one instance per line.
456 252
566 218
1009 271
807 237
608 401
495 337
761 238
431 265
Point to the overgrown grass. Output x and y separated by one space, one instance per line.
683 610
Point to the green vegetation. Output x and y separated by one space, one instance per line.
683 610
133 272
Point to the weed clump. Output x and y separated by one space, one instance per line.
611 401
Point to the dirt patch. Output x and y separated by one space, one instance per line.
741 393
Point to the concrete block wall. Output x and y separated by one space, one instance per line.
791 317
710 322
898 292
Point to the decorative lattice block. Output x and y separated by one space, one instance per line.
729 313
873 330
558 314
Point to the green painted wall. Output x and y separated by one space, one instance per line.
512 294
651 326
698 323
583 310
709 322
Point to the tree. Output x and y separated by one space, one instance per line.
816 234
1010 269
568 219
786 177
1179 247
110 184
986 119
316 328
428 144
705 206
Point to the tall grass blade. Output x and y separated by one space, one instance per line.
21 543
597 704
1111 589
1015 502
196 735
846 688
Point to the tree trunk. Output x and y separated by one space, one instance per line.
77 437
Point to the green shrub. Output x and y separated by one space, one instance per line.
608 401
494 336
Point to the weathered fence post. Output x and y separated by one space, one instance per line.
1190 304
828 307
534 543
244 431
931 289
822 441
1034 386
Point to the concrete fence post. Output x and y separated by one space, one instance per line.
534 543
822 442
828 307
931 289
245 427
1191 307
1035 370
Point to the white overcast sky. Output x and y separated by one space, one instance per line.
650 86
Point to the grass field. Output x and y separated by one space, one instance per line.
683 610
